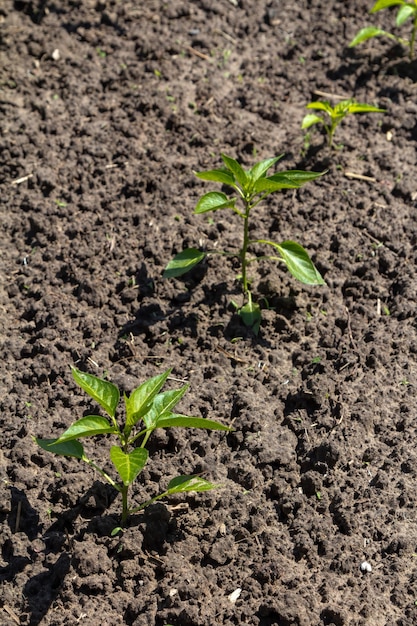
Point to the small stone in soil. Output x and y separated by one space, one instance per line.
366 567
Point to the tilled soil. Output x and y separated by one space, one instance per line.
107 108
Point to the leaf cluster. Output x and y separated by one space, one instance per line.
406 10
335 114
250 187
146 409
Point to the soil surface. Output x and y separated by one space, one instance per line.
108 107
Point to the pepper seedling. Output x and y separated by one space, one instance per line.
252 187
146 409
336 114
406 11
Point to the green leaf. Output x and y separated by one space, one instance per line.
367 33
311 119
384 4
321 106
299 177
250 313
213 201
87 427
68 448
291 179
182 484
219 176
267 185
357 107
237 170
140 400
404 13
183 262
128 465
299 263
259 170
102 391
162 404
341 109
184 421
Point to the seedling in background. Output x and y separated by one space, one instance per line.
336 114
251 186
146 409
406 11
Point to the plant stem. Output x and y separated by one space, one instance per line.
413 38
330 132
245 246
125 509
102 472
145 438
149 502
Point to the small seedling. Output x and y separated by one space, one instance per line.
146 409
407 10
252 186
336 114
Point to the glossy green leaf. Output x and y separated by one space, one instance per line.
299 263
291 179
140 400
384 4
250 315
182 484
184 421
267 185
213 201
219 176
183 262
163 403
68 448
87 427
320 106
128 465
367 33
237 170
357 107
404 13
102 391
311 119
299 177
260 169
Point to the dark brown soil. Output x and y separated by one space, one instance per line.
107 108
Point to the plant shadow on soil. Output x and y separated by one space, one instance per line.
155 523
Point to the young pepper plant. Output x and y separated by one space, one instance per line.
252 187
146 409
336 114
407 10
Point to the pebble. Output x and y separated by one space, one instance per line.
366 567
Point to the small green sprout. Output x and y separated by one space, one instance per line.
404 382
251 186
336 114
407 10
146 409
